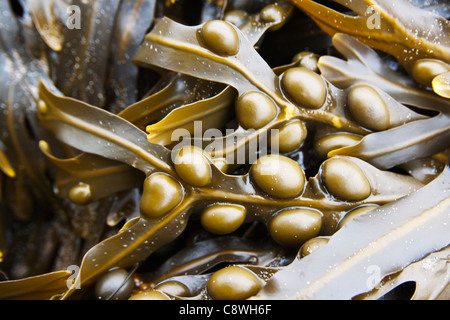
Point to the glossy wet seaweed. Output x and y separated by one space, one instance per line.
119 164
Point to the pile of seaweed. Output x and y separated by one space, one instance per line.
224 149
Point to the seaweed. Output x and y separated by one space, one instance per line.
155 148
